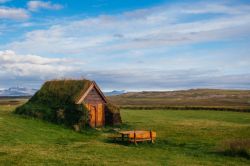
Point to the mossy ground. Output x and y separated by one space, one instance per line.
183 138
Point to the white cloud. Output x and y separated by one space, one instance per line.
214 8
36 5
32 70
4 1
132 49
140 29
13 13
147 79
12 64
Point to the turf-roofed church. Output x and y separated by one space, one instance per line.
72 102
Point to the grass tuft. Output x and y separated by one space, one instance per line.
236 148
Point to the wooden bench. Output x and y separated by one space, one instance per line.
135 136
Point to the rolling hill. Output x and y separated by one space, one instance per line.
193 98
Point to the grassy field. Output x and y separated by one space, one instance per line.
187 99
12 101
184 138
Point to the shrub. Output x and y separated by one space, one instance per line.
238 147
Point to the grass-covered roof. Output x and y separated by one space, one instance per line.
61 92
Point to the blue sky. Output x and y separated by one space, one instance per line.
126 44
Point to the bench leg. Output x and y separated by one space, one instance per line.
135 139
151 137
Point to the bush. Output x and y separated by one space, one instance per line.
165 107
238 147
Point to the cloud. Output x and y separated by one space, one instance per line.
140 29
37 5
165 79
13 13
4 1
33 70
146 49
12 65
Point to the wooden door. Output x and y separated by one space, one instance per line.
92 116
99 118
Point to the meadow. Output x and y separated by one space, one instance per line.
183 138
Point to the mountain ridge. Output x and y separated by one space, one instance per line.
17 91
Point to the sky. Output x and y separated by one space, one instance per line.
126 44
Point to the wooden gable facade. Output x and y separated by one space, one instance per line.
95 101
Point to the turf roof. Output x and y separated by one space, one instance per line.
58 92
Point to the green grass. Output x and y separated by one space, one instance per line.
183 138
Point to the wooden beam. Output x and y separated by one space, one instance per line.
85 94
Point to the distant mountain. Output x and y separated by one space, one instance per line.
17 91
22 91
115 92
